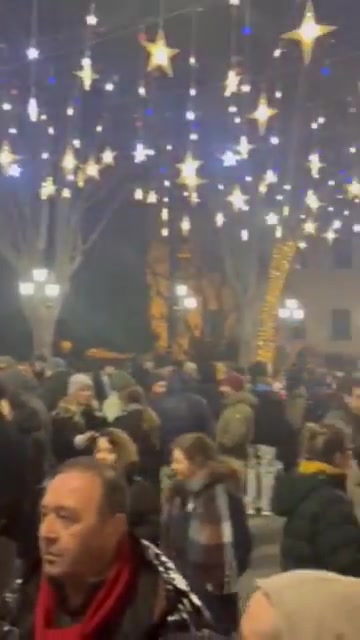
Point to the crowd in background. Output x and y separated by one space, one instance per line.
136 470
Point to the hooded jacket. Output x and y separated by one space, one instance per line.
321 530
235 429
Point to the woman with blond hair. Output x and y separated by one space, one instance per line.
321 529
115 448
204 526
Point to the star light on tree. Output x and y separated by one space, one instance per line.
330 235
160 55
188 173
86 73
69 161
310 227
263 113
315 165
238 200
244 148
108 157
47 189
313 201
232 82
308 32
353 189
92 169
7 157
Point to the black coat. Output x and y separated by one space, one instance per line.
144 511
66 425
272 427
321 529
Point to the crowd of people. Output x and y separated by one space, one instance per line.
127 497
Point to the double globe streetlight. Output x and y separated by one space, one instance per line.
185 299
292 311
42 285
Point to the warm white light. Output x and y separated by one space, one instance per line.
164 232
164 214
192 92
70 111
76 143
40 275
272 219
185 225
277 53
138 194
244 234
230 159
51 131
142 90
245 88
292 303
298 314
181 290
109 86
33 109
193 137
190 303
219 219
284 314
352 150
52 290
13 131
45 155
141 153
91 20
6 106
26 288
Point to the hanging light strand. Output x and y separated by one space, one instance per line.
33 54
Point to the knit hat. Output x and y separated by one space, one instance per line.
331 614
121 381
78 381
234 381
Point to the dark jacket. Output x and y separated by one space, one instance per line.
321 529
272 427
144 511
142 425
67 422
181 411
161 604
205 531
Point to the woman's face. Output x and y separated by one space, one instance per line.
181 466
84 396
105 452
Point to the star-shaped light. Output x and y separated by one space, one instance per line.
232 82
66 194
312 201
86 74
152 197
138 194
270 177
263 113
92 169
7 157
188 173
47 189
141 153
230 159
69 161
330 235
238 200
353 189
81 178
108 157
309 227
244 147
272 219
308 32
315 165
160 54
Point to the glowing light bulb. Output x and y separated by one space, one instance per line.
32 53
33 109
6 106
109 86
219 219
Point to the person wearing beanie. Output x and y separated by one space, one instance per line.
76 421
235 428
303 605
114 405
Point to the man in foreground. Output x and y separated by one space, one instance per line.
304 605
96 580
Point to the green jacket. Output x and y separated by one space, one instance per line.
235 429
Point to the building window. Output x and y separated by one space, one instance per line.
342 253
341 324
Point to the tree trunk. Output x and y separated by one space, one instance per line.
42 317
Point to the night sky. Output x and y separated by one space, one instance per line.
107 305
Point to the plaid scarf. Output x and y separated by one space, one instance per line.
198 535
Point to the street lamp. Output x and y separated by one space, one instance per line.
41 285
292 311
190 303
181 290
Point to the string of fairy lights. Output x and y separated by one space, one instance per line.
252 133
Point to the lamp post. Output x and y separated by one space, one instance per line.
292 311
41 300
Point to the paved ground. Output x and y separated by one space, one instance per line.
265 559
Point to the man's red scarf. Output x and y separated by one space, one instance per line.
112 599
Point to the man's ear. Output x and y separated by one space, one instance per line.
260 619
